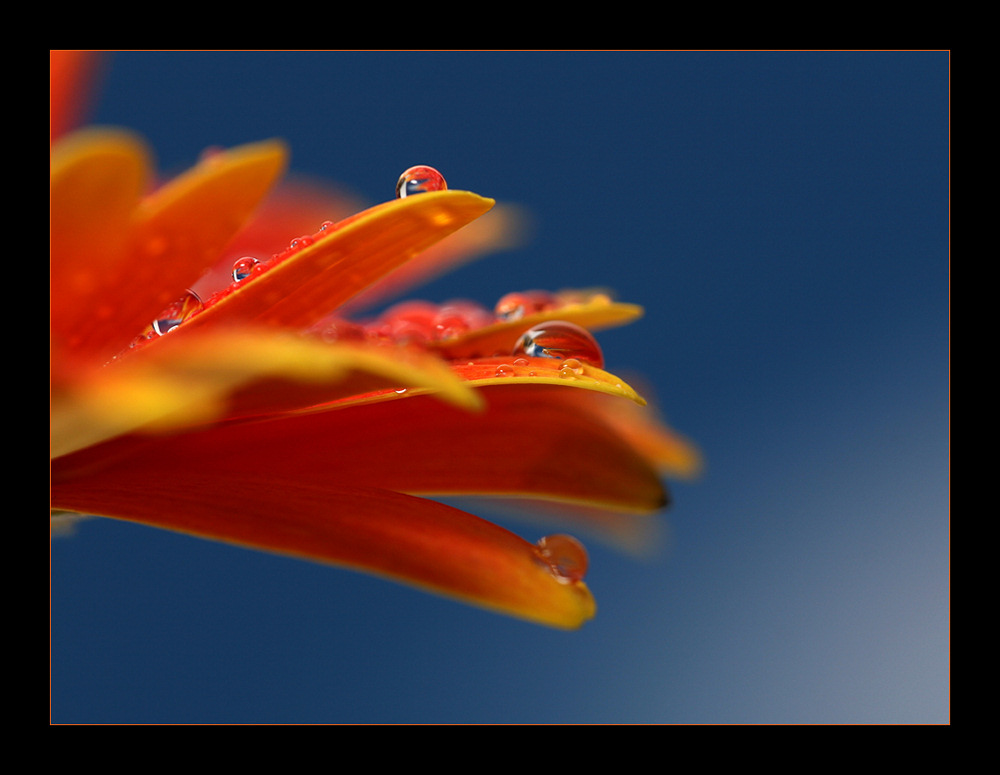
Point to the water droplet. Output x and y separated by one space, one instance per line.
326 226
419 180
565 556
176 313
244 267
560 339
505 370
300 242
515 306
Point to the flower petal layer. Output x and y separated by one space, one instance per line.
527 442
233 373
331 266
409 539
117 260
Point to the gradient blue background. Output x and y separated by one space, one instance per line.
783 217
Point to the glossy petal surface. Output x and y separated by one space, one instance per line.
421 542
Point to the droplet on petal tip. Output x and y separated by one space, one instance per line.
565 556
560 339
419 180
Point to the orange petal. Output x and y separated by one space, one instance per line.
419 542
499 229
117 262
594 313
209 378
527 442
97 179
71 74
310 282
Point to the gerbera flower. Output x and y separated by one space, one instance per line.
252 410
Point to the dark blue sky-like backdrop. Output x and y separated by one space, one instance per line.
783 218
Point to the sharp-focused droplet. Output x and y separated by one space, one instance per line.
419 180
176 313
244 267
565 556
560 339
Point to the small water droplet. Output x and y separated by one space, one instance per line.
505 370
560 339
176 313
515 306
300 242
326 226
419 180
244 267
565 556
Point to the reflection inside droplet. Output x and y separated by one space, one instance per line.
419 180
560 339
176 313
244 267
565 556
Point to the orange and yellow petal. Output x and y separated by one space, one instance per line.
419 542
200 380
117 257
326 269
526 442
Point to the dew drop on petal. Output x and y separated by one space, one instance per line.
176 313
419 180
515 306
560 339
565 556
244 267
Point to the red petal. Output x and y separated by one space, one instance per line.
419 542
528 442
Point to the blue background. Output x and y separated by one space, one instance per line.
784 219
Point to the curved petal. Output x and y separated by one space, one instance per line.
97 180
328 268
594 313
419 542
117 260
209 378
526 442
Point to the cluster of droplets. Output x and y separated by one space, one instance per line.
415 180
422 322
564 556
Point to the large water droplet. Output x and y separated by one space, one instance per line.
176 313
419 180
560 339
565 556
244 267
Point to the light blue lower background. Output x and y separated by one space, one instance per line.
783 217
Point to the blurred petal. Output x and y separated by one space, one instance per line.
527 442
71 78
204 379
116 261
408 539
97 180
